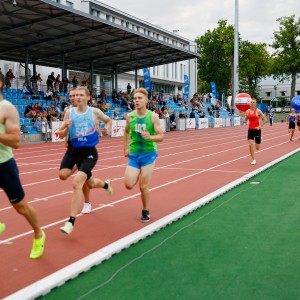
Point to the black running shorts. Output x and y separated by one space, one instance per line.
10 181
254 134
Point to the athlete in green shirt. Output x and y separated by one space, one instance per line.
10 137
142 131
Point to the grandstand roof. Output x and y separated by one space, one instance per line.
52 31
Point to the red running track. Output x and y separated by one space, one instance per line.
191 164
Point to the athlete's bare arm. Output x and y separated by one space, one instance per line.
159 135
63 130
105 119
263 117
9 117
126 136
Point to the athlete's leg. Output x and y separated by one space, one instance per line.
145 177
251 148
77 186
131 177
24 209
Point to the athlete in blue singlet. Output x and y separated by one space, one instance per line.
79 124
291 121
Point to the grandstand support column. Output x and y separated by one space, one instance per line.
92 75
113 80
63 66
116 77
34 67
135 78
27 75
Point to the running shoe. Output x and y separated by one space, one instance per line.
38 247
253 162
2 227
68 228
87 208
145 216
109 190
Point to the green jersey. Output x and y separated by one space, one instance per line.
137 126
5 151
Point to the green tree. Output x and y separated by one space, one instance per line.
254 64
216 49
286 58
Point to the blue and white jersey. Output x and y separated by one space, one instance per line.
83 131
292 118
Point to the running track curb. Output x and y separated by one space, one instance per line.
45 285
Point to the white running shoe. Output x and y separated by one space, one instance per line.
87 208
253 162
109 190
68 228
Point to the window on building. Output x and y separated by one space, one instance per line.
108 17
69 3
268 94
167 71
298 93
282 93
176 66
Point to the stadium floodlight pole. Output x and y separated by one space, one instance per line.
236 55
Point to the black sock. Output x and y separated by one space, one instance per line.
72 220
105 186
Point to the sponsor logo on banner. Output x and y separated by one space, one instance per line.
118 128
203 123
218 122
55 128
190 123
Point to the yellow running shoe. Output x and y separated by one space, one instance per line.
2 227
38 247
109 190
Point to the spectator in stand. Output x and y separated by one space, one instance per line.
64 104
192 114
201 113
65 83
217 115
124 103
57 83
115 116
8 78
173 126
38 124
181 115
29 111
166 116
36 108
114 96
48 94
27 88
128 88
35 94
103 95
75 82
33 81
42 110
103 106
50 81
39 78
172 117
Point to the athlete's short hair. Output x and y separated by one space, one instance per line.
84 88
142 91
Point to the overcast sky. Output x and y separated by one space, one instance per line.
257 18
